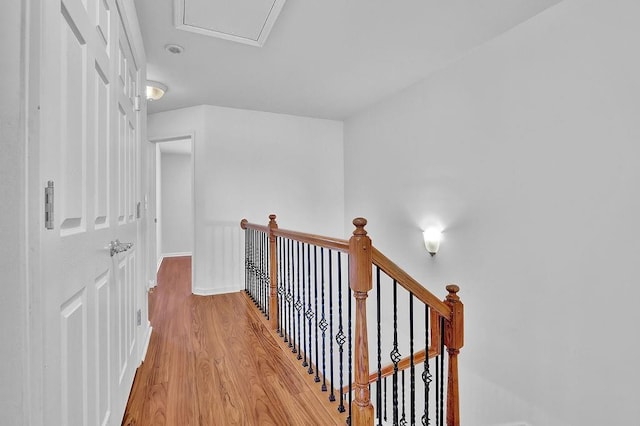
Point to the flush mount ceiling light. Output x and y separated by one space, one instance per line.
174 48
155 90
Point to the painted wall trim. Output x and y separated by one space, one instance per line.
177 254
216 291
147 341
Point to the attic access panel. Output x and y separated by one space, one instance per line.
242 21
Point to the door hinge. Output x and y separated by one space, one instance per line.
139 317
137 103
48 205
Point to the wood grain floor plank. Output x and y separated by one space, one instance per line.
214 361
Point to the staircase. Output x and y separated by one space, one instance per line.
324 297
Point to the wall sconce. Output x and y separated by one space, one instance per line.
432 238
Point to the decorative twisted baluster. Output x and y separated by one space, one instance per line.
427 378
395 354
340 336
315 284
412 369
298 304
332 396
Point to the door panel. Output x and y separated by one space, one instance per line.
73 136
103 347
74 360
89 150
101 138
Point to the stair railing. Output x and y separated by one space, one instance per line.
314 290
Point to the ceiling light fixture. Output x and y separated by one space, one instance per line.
155 90
174 48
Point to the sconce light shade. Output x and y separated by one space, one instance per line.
432 238
155 90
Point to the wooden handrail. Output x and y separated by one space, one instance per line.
403 364
244 224
318 240
406 281
418 357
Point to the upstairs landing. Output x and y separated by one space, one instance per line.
212 360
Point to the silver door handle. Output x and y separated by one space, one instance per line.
118 247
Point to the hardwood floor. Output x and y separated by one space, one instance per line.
213 361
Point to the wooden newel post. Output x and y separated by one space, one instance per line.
360 261
273 274
454 340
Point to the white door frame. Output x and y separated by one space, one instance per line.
171 138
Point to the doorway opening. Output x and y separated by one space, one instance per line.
174 198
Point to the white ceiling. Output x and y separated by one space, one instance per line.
326 59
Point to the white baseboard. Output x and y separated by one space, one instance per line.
178 254
146 343
214 291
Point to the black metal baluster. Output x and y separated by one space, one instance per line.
260 269
350 340
385 399
323 324
266 275
403 419
441 371
315 284
426 374
280 265
304 308
412 369
285 313
263 287
310 314
340 337
289 294
438 388
379 349
248 261
298 302
395 354
252 254
253 266
332 396
257 276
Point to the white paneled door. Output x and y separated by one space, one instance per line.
89 81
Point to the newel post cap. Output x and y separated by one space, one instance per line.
359 223
453 290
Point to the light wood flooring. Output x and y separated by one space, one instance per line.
213 361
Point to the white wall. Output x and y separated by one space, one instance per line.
13 303
250 164
177 212
527 151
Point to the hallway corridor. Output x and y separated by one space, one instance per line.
212 361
